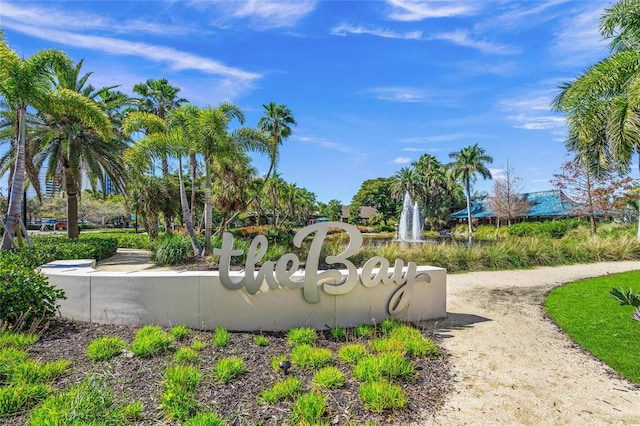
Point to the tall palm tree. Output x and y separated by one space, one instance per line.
26 82
170 137
159 98
467 163
148 196
72 147
276 122
404 180
602 105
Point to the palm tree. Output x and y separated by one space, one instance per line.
404 180
601 105
172 136
159 98
467 163
148 196
72 147
26 82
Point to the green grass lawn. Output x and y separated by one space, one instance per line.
598 323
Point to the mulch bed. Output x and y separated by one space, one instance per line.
136 379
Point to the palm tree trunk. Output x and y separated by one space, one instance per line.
72 203
467 192
194 172
208 207
186 214
17 183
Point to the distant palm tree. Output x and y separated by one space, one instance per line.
276 122
467 163
71 147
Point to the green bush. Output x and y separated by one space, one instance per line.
550 229
173 249
286 389
151 340
26 297
104 348
379 396
301 336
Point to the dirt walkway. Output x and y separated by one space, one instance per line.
514 367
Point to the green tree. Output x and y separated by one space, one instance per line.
376 193
333 210
147 197
72 146
468 162
601 105
27 82
276 122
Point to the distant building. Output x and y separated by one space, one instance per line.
365 214
544 205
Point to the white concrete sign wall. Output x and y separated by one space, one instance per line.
275 296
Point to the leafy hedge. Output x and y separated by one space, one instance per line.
550 229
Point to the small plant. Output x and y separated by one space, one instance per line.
105 348
197 345
276 360
625 297
30 371
205 419
150 341
301 336
364 330
329 377
17 340
387 366
178 396
261 340
186 356
310 357
221 337
352 353
88 403
286 389
379 396
309 408
389 324
133 411
229 368
179 332
339 334
19 397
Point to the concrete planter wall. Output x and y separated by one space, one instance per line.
199 300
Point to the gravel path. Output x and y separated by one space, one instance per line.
513 366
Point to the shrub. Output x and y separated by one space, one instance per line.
389 324
301 336
173 250
105 348
364 330
261 340
26 297
339 334
178 396
31 371
16 340
150 341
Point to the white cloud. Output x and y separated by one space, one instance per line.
177 60
532 111
497 174
408 10
439 138
52 17
327 144
463 38
401 160
263 14
345 29
398 94
578 41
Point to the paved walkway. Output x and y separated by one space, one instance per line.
128 260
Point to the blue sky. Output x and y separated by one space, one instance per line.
372 84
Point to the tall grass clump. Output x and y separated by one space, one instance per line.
151 340
173 249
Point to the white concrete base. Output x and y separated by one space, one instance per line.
198 300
